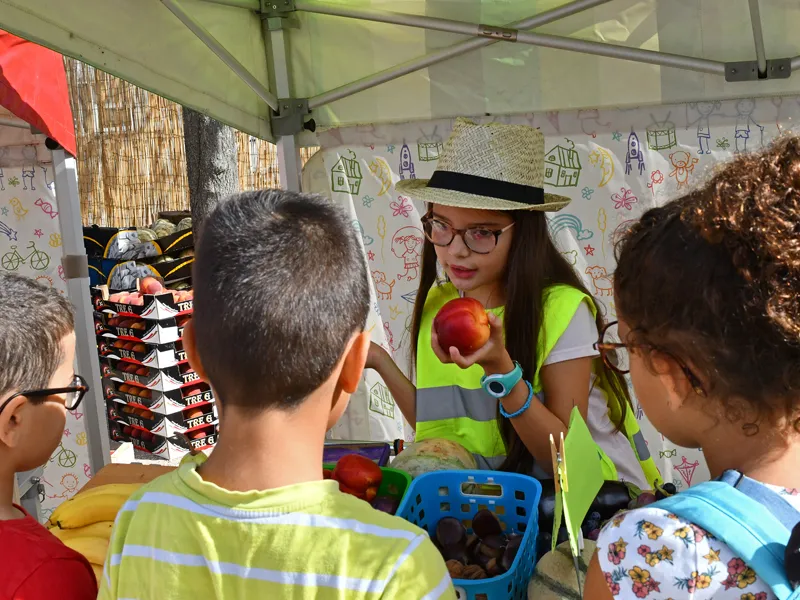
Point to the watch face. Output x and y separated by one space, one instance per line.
497 388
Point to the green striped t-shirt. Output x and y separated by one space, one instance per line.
181 537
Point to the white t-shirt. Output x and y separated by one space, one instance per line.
577 342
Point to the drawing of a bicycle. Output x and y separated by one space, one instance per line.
38 260
66 458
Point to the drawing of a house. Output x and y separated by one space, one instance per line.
381 401
562 167
346 175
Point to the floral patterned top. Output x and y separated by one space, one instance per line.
650 553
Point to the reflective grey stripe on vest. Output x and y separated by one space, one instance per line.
452 402
641 446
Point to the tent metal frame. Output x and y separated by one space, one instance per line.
291 115
76 271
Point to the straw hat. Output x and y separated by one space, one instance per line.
490 167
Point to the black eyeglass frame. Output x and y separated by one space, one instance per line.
461 232
79 389
604 348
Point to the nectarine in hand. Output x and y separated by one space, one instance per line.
462 323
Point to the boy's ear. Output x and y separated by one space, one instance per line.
354 361
190 346
11 420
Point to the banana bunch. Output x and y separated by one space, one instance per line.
84 522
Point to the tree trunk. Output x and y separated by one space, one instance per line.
211 163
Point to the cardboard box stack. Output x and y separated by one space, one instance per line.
153 397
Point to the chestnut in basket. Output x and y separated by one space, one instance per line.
493 568
450 532
493 546
485 523
455 552
510 553
473 541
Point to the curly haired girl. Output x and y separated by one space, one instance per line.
707 290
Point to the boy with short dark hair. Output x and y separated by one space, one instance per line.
281 303
37 386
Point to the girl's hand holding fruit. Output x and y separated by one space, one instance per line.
464 334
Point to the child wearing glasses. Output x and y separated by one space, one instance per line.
707 289
37 387
486 233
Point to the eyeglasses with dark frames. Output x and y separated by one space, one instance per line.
480 240
616 355
73 394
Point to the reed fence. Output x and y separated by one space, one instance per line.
131 161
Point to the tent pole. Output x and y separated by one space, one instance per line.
664 59
248 4
385 16
758 38
286 146
506 34
222 53
428 60
467 46
76 272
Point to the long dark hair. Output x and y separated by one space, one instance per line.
534 264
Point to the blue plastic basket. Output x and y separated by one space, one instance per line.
513 498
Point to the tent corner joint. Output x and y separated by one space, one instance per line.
290 118
276 8
748 70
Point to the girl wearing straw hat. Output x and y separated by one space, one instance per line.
486 230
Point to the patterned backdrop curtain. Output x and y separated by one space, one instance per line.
614 164
30 245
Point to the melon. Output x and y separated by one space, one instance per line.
146 235
433 455
555 577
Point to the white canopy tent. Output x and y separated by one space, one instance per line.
235 59
278 69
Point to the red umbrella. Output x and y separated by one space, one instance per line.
33 86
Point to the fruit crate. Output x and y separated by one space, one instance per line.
154 307
162 403
394 484
513 498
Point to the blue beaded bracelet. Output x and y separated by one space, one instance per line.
524 406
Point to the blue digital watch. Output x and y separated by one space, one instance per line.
499 385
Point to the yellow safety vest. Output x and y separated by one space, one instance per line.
452 405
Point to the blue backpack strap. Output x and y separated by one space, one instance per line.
744 524
787 514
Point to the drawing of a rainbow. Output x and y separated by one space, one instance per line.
561 222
